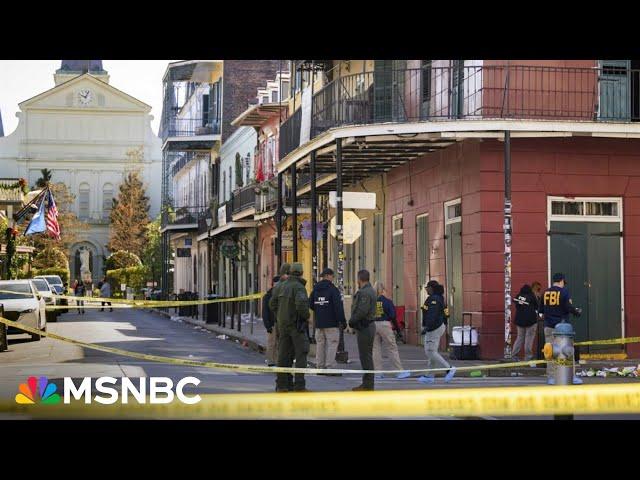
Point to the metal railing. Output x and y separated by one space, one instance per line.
183 215
244 198
610 94
189 127
290 134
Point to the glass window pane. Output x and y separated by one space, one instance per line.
602 208
567 208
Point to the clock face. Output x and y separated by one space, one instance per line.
85 97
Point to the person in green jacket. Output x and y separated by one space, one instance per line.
363 315
290 304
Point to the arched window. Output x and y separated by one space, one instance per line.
83 201
107 200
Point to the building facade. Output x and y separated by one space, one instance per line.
89 134
436 136
201 99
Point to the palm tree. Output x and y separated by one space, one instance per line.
44 180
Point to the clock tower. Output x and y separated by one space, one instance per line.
70 69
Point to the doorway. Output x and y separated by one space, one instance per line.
453 260
585 243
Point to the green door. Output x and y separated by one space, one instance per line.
453 254
588 253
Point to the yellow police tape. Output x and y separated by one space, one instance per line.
139 303
246 368
472 402
612 341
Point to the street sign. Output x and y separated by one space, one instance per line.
355 200
188 242
123 287
352 228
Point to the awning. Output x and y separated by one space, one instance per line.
233 225
256 115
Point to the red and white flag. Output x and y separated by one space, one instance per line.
53 227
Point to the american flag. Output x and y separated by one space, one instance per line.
53 228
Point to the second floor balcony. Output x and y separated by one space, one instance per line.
484 92
244 201
183 217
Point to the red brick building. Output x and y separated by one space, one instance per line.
434 132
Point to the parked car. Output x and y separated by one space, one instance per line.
47 292
23 304
56 282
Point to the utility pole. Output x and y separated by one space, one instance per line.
341 356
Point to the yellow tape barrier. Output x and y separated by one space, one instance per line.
137 303
507 401
612 341
246 368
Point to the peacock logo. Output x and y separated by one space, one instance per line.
37 391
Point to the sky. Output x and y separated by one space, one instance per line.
23 79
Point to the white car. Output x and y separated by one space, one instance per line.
23 304
47 292
55 281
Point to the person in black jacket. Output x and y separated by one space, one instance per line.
434 325
326 302
269 320
526 321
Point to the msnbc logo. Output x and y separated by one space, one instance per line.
37 391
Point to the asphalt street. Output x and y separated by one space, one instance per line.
141 331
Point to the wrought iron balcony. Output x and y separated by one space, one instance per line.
183 215
609 94
189 127
244 198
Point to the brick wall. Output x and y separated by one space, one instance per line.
564 167
242 78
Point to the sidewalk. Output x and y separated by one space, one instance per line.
411 356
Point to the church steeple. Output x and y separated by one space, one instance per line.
72 68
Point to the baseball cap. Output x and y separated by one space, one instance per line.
326 271
296 269
558 277
285 269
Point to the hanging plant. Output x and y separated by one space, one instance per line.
20 184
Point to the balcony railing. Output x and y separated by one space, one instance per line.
189 127
290 134
609 94
183 215
267 200
244 198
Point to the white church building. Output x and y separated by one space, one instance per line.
89 134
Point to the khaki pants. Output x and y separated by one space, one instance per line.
385 338
326 347
272 346
548 338
431 344
526 335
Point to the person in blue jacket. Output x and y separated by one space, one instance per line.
556 307
434 325
326 302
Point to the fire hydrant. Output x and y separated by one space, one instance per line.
561 353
